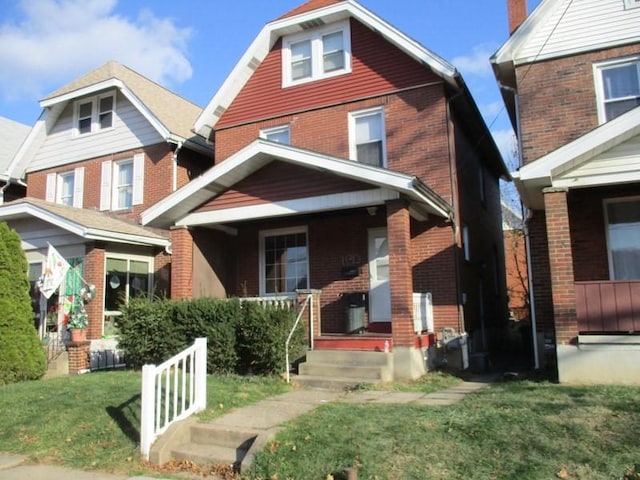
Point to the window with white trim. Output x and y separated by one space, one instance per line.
122 183
284 261
126 276
94 114
66 188
280 134
622 218
367 139
617 87
316 54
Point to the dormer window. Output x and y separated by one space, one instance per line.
317 54
94 114
617 87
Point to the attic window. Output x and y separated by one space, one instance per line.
316 54
94 114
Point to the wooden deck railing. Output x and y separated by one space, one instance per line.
608 306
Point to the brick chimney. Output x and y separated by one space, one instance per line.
517 10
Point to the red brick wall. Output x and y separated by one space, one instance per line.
557 100
561 261
516 273
94 274
181 264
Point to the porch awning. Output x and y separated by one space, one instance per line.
179 207
607 155
85 223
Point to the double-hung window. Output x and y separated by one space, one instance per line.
94 114
617 87
66 188
284 261
280 134
122 183
367 143
316 54
623 238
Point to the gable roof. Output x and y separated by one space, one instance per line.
324 11
558 28
12 134
174 208
171 115
609 154
86 223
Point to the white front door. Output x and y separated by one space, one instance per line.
379 292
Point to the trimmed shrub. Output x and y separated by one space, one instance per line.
262 334
21 354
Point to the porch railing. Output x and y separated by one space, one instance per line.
422 312
172 391
285 303
287 364
608 306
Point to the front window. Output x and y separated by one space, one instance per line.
316 54
279 134
65 186
367 137
618 87
623 232
94 114
123 184
126 277
284 261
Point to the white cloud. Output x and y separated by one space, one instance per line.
477 63
58 40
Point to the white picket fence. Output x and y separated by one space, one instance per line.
172 391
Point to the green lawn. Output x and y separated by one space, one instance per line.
516 430
93 421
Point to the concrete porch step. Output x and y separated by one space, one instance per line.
207 455
349 358
374 373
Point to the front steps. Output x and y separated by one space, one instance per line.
205 444
344 369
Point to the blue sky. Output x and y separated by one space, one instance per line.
190 46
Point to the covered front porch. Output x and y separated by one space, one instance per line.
273 219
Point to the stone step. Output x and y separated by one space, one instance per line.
380 373
349 357
207 434
331 383
207 455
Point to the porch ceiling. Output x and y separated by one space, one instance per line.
177 208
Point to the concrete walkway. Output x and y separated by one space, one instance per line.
267 415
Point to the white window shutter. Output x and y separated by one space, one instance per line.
105 186
78 187
50 194
138 179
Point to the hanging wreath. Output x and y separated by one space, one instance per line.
88 293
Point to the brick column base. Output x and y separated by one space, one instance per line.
78 357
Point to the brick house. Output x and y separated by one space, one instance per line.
570 78
350 162
106 146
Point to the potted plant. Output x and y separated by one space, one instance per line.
78 318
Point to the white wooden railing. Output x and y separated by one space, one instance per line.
284 303
422 312
172 391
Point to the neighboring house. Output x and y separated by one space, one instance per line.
106 146
353 162
515 263
12 134
570 77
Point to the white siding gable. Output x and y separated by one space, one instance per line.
60 147
572 26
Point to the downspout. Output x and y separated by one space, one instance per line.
174 167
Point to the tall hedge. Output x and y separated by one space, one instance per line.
241 336
21 354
